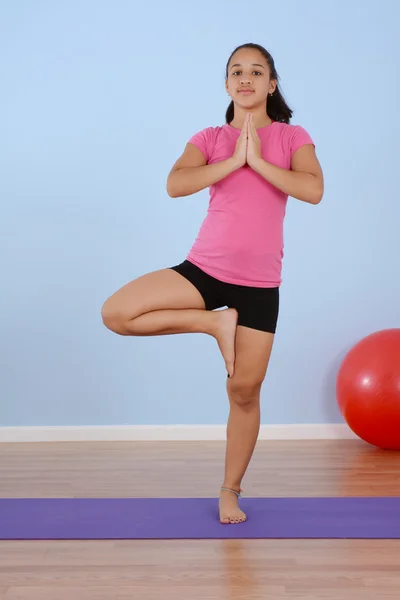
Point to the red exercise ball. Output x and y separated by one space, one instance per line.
368 389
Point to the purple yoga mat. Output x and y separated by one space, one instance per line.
193 518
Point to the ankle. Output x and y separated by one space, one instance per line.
235 487
213 321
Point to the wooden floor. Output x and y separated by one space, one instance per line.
201 570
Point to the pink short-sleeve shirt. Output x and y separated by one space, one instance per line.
241 238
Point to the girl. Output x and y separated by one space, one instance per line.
251 164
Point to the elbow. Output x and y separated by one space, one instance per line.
312 197
173 190
317 194
174 193
316 199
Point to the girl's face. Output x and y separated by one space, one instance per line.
248 82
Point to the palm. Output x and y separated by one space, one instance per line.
248 145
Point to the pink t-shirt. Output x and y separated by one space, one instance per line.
241 238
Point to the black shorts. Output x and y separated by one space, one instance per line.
257 308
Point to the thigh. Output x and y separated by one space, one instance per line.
252 354
210 289
258 308
158 290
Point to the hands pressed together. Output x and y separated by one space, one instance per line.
248 145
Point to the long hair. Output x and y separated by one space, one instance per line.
276 106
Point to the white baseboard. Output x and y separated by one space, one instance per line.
151 433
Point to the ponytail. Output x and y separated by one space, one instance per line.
230 113
277 109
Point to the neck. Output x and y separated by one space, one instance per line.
261 119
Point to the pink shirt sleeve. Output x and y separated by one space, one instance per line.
203 141
300 137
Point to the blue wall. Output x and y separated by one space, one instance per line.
98 100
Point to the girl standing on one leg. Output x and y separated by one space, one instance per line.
251 164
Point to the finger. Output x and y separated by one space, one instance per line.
243 133
246 126
251 123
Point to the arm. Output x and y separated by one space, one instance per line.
304 181
191 173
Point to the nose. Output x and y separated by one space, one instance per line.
245 81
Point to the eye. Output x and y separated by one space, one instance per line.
240 72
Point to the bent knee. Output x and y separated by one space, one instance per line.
244 391
113 318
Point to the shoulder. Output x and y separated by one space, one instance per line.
290 130
205 139
208 133
293 136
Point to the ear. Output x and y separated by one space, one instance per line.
226 86
272 86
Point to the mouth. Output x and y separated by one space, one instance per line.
246 91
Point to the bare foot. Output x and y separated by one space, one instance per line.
225 335
229 511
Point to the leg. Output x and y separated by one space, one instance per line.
253 350
164 302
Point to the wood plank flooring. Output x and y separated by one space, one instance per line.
205 569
